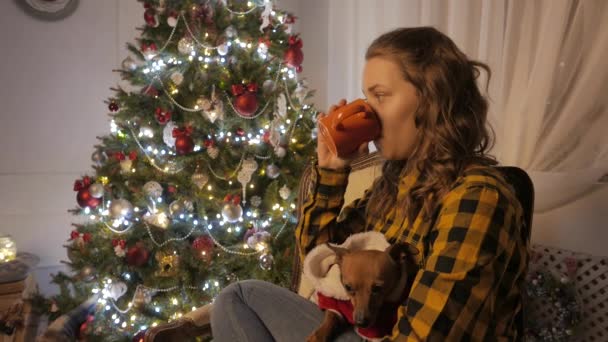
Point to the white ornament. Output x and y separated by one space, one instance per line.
126 165
153 189
121 208
185 45
301 91
244 177
200 179
119 251
222 49
213 152
159 220
116 289
266 15
177 78
284 192
168 134
172 21
232 212
96 190
280 151
281 106
250 164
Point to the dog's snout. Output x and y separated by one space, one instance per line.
361 320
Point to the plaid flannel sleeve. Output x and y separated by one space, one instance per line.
469 244
321 218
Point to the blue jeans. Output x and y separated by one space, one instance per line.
253 310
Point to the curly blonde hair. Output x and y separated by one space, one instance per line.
451 119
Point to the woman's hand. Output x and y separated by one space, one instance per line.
325 157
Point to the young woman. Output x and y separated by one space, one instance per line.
438 191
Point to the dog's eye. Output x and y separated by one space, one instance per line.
376 289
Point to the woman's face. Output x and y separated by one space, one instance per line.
395 101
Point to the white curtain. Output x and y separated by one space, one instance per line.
549 86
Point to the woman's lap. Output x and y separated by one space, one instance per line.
254 310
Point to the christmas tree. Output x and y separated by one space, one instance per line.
195 186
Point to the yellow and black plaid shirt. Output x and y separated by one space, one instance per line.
472 257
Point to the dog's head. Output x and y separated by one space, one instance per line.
372 277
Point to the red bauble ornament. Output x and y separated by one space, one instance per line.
84 199
162 116
294 57
150 17
137 255
184 145
113 106
246 104
240 132
203 245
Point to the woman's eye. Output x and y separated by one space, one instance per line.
380 97
348 288
376 289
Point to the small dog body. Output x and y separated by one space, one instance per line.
373 277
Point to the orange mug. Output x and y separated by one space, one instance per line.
348 127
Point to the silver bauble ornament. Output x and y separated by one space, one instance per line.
200 179
129 64
232 212
222 49
185 45
168 137
87 273
176 208
268 86
230 31
99 157
177 78
121 208
266 261
153 189
273 171
256 201
313 133
96 190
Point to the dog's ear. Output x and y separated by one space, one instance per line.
400 252
340 252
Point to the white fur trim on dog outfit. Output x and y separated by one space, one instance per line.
324 273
